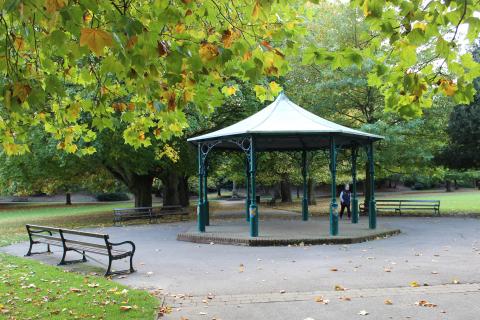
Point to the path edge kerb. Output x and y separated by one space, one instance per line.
206 238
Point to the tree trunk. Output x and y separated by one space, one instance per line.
311 192
298 192
183 192
219 190
68 199
448 186
285 190
234 190
141 187
455 184
171 184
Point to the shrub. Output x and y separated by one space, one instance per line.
113 196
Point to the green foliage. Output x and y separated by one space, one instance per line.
48 170
415 50
77 68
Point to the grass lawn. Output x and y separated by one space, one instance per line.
13 218
31 290
452 203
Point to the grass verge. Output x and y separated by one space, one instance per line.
32 290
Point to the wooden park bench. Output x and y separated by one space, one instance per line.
150 213
80 242
404 205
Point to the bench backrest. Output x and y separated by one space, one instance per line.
62 231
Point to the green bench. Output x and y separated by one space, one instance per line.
404 205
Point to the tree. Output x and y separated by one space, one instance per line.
463 150
69 67
414 48
48 170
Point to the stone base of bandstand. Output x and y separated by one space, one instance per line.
285 231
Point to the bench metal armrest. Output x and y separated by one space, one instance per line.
122 243
40 231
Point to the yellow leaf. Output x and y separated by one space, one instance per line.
366 11
229 91
256 10
275 87
420 25
339 288
179 28
54 5
228 37
19 44
414 284
95 39
388 302
208 51
448 87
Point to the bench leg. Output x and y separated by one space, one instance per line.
30 253
62 262
131 264
65 262
109 268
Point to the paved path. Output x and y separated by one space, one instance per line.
248 282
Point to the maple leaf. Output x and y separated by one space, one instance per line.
54 5
95 39
208 51
229 91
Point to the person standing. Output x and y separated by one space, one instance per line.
345 200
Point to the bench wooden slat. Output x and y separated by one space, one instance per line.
84 233
37 227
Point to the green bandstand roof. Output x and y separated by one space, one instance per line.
283 126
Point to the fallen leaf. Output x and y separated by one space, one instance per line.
333 269
241 268
339 288
125 308
363 313
282 291
455 281
345 298
75 290
414 284
321 300
388 302
425 303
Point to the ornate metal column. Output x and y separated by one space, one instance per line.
247 189
253 205
354 185
333 204
200 215
206 207
372 212
305 189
